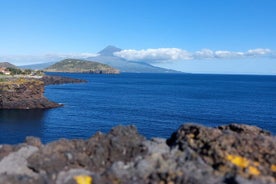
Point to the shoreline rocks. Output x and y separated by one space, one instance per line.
27 93
24 94
55 80
193 154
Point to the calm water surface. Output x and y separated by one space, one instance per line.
157 104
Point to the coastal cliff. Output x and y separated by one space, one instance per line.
193 154
55 80
24 94
27 93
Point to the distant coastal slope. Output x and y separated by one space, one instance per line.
7 65
81 66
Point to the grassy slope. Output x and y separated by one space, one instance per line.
76 65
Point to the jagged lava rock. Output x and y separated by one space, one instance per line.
27 93
195 154
53 80
232 150
96 154
24 94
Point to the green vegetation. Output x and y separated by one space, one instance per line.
81 66
17 71
2 80
7 70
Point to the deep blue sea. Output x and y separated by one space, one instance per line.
157 104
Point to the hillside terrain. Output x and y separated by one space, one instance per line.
7 65
81 66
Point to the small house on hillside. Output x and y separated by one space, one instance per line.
4 71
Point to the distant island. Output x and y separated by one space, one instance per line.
81 66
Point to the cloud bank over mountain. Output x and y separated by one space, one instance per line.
176 54
159 54
151 56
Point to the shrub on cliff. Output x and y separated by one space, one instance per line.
15 71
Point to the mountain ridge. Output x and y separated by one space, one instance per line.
107 56
109 50
7 65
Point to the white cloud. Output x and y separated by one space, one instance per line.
176 54
204 53
160 54
259 51
228 54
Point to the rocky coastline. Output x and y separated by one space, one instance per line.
193 154
27 93
55 80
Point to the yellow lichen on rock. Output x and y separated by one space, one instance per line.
253 171
244 163
83 179
273 168
238 160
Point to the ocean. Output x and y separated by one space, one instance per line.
157 104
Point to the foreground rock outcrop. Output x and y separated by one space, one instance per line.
193 154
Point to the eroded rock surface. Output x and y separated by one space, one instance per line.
53 80
28 93
193 154
24 94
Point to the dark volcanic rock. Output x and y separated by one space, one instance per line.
48 80
193 154
24 94
233 150
96 154
244 129
28 93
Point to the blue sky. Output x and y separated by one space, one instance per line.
227 29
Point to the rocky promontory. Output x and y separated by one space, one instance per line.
55 80
28 93
24 94
193 154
